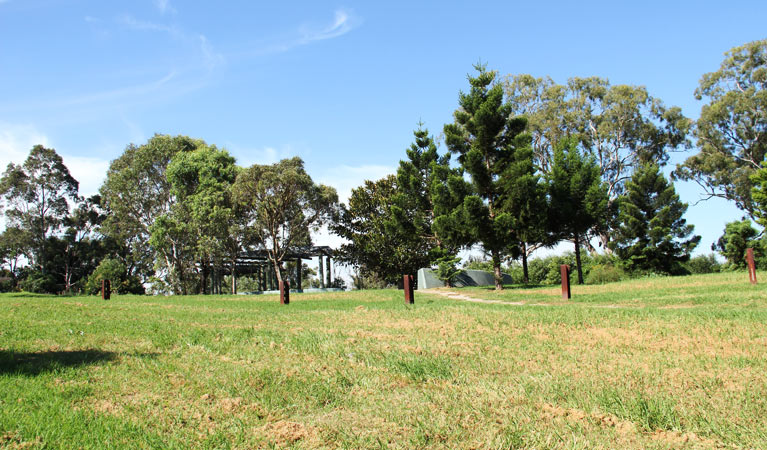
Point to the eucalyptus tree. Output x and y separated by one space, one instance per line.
201 182
136 194
36 197
732 128
621 126
282 204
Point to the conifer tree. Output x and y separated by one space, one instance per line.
652 234
485 138
578 199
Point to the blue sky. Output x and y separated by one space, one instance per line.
341 85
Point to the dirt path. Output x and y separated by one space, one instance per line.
463 297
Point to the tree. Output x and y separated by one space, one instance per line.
759 194
577 197
447 269
485 139
14 244
35 196
136 194
524 197
621 126
282 204
363 224
201 182
653 235
732 128
77 252
412 211
737 237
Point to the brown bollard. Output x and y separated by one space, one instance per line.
106 289
564 271
284 292
407 282
751 265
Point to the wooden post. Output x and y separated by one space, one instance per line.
299 275
407 282
751 265
284 292
106 289
322 273
564 271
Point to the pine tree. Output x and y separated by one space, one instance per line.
578 199
485 138
652 234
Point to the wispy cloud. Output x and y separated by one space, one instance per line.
344 21
342 24
164 7
142 25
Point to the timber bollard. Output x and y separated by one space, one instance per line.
284 292
106 289
751 265
407 282
564 271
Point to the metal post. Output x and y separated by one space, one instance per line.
284 292
407 282
751 265
564 271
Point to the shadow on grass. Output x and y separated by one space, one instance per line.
32 364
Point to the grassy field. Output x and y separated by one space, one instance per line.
651 363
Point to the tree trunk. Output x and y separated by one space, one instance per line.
497 270
203 277
577 241
525 275
276 265
234 276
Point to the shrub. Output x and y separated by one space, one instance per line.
605 273
113 270
40 283
704 264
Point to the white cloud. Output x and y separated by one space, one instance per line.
342 24
143 25
16 141
211 59
164 6
90 172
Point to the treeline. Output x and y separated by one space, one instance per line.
540 162
529 163
172 213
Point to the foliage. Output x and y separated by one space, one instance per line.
732 128
35 197
577 198
703 264
478 263
621 126
447 269
737 237
605 273
136 195
37 281
491 147
115 271
759 193
653 236
282 204
198 222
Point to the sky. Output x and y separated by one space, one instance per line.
342 85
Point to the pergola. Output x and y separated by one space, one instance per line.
256 263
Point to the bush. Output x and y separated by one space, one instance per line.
477 263
704 264
605 273
40 283
113 270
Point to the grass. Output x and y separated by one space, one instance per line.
651 363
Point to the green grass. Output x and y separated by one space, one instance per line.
650 363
